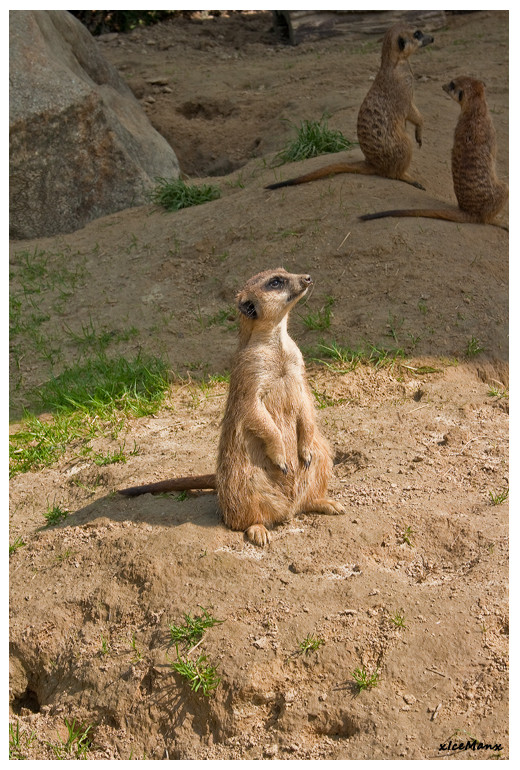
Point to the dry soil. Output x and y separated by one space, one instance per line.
411 583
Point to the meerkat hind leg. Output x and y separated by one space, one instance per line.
258 534
325 506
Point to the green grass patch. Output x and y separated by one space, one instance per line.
499 497
496 392
89 338
313 137
406 536
343 358
474 347
77 743
364 680
320 320
103 384
40 443
175 194
87 400
323 400
398 619
310 644
54 514
193 628
15 545
19 741
117 456
200 675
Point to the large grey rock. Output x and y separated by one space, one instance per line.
80 144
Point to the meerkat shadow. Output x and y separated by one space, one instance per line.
175 509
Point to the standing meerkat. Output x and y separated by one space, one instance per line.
480 194
272 460
381 124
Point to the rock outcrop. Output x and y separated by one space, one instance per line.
81 146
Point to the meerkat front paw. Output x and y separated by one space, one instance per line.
258 534
305 457
280 462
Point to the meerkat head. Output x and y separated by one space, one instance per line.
270 295
464 89
400 42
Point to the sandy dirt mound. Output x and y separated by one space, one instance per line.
411 583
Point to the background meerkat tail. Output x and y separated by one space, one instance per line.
209 481
449 216
322 173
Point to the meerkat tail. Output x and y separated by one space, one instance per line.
209 481
322 173
449 216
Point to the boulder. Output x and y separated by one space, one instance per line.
80 144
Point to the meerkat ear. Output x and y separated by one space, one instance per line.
248 309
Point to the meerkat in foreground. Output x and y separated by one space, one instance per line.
273 463
381 124
480 194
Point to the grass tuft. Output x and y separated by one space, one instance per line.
193 629
77 743
199 674
175 194
499 497
16 544
310 643
474 347
313 137
19 741
54 514
398 619
320 320
406 536
496 392
363 680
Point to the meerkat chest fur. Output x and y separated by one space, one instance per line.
280 371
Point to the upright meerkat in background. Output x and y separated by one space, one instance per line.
381 125
272 460
480 194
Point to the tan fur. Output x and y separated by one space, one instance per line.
381 125
272 460
480 194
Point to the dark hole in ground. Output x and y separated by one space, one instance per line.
27 700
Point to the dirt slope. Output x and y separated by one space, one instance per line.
419 445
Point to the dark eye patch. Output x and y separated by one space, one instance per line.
275 283
461 94
418 35
401 43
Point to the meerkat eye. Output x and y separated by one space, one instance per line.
461 94
418 35
275 283
452 86
401 43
